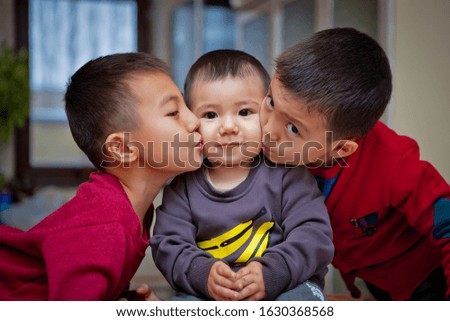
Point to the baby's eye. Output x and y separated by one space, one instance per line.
173 114
292 129
210 115
244 112
269 102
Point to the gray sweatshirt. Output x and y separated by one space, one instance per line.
276 216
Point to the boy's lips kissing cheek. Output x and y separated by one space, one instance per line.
268 148
198 139
264 148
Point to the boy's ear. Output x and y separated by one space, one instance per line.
118 147
344 147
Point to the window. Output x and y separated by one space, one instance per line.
198 28
263 28
298 22
61 36
268 28
254 36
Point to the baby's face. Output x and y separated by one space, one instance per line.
229 118
291 134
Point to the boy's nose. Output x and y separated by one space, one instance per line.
269 136
192 122
268 129
228 126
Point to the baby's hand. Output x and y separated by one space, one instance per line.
250 282
221 282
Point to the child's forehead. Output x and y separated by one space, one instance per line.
150 79
230 85
228 77
283 97
248 82
153 87
145 75
294 106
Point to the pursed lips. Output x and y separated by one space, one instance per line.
225 144
198 140
267 150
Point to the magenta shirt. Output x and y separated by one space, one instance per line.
88 249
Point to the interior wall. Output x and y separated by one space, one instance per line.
7 35
421 97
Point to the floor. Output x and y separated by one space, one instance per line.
148 273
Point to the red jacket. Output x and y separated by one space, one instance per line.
390 214
89 249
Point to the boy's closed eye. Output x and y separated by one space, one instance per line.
172 113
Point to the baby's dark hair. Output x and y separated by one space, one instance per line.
341 73
99 99
219 64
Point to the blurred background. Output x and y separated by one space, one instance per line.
61 35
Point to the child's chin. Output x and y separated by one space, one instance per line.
194 166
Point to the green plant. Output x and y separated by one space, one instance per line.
2 182
14 90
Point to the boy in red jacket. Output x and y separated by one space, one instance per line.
390 211
130 119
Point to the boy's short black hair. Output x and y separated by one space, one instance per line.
219 64
341 73
99 100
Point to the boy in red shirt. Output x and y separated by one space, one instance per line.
389 210
130 119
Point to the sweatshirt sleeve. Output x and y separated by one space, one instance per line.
86 263
174 249
307 248
420 192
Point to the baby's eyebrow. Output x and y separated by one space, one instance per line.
246 102
205 107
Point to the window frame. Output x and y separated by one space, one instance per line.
26 177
